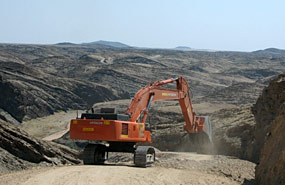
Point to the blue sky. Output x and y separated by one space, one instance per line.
241 25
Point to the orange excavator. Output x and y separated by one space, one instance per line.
110 132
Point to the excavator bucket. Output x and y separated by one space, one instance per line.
201 142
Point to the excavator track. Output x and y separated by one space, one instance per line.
94 154
144 156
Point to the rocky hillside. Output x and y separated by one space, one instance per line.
28 92
37 80
269 112
266 109
18 150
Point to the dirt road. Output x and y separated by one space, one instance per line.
50 127
122 175
170 168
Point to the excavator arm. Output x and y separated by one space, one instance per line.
155 92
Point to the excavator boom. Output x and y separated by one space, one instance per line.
155 92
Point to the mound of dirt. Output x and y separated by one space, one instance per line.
269 112
20 151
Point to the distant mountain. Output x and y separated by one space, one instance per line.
271 51
184 48
109 43
65 43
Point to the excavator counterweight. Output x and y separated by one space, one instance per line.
121 132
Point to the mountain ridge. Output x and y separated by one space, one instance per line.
108 43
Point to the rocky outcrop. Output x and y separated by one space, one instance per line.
266 109
8 118
271 168
20 151
269 136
